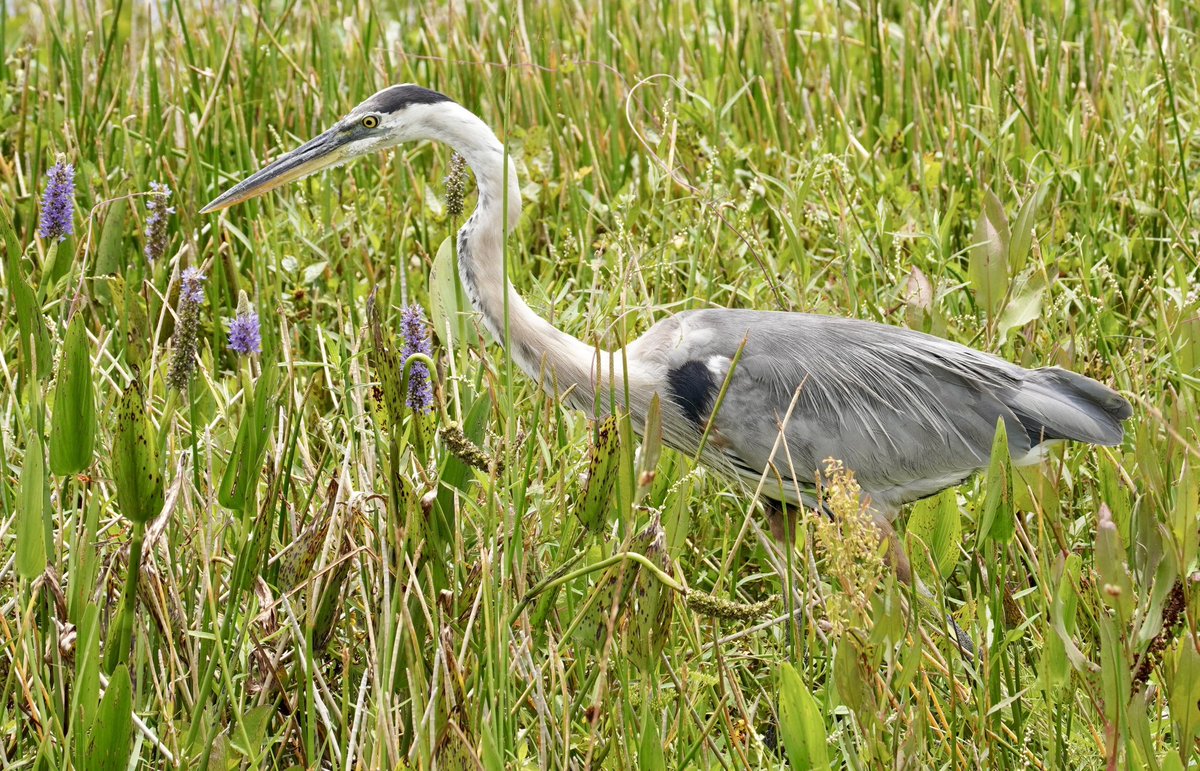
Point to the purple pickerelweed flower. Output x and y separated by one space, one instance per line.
244 335
190 287
156 222
58 203
183 355
415 331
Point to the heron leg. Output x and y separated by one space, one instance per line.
782 521
895 556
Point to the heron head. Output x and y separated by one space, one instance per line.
394 115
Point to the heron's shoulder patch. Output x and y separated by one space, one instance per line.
396 98
693 388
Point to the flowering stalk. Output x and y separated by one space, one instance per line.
415 331
156 223
245 335
58 203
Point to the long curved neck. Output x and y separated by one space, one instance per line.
550 356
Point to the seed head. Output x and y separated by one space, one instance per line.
850 540
456 186
183 356
58 202
156 222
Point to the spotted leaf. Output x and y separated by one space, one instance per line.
135 466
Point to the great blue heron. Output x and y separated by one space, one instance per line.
910 414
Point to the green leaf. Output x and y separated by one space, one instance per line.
73 426
651 450
330 604
32 554
112 248
245 462
255 724
653 603
918 301
935 524
603 465
592 627
800 723
135 465
1185 690
1055 666
1022 233
85 696
1025 305
85 561
851 678
34 341
1116 585
996 521
113 730
388 368
135 322
445 306
650 750
987 266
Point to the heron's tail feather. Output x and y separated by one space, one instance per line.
1055 403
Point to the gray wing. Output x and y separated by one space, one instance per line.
909 413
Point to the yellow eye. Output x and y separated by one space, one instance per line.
370 121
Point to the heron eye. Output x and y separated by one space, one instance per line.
370 121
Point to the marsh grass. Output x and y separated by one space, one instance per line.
330 585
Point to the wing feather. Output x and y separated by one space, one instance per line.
909 413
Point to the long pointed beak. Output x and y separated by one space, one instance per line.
327 150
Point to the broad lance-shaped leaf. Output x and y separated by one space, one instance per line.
31 554
1025 305
330 603
112 250
650 750
73 426
592 628
245 462
800 723
851 677
651 450
296 563
388 367
1055 666
135 322
113 730
1022 233
135 459
34 341
987 265
653 603
996 522
1116 583
934 524
602 475
85 695
445 305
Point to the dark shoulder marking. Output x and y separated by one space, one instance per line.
397 98
693 388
